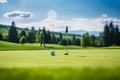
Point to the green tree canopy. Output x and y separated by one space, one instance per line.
13 34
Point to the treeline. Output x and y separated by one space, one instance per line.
109 37
31 36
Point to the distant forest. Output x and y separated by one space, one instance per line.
109 37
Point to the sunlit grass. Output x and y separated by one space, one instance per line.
32 46
31 62
76 58
59 73
8 46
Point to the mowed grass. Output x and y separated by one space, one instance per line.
32 62
78 65
76 58
8 46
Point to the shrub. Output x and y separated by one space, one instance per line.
22 40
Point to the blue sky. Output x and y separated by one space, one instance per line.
57 13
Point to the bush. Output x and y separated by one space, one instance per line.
60 43
22 40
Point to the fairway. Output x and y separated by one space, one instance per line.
76 58
84 64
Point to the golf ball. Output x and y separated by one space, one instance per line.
52 52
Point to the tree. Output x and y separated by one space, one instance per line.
1 36
48 37
60 39
13 34
31 36
112 33
92 39
53 38
74 40
106 35
100 40
117 36
22 40
39 34
119 39
22 37
77 42
22 33
64 42
85 42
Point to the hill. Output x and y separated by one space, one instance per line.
81 32
50 37
4 46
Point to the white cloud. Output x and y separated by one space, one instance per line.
54 24
52 14
73 24
3 1
104 15
18 14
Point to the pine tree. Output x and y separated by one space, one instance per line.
112 33
53 38
39 34
13 34
48 37
60 39
100 40
77 42
92 40
85 41
117 36
31 36
106 35
1 36
119 39
74 40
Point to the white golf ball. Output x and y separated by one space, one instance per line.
52 52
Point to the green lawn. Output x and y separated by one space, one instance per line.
31 62
78 65
76 58
8 46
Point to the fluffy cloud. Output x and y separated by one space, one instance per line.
54 24
18 15
3 1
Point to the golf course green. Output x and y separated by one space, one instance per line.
38 64
76 58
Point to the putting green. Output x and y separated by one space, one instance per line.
76 58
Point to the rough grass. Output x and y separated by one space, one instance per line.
60 74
